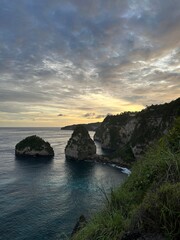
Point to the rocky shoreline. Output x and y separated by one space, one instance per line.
117 162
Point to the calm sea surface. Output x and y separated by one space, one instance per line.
43 199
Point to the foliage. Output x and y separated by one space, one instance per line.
34 143
160 211
173 137
113 122
148 201
154 120
119 119
150 125
88 126
125 153
80 129
81 137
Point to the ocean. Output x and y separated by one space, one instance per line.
42 199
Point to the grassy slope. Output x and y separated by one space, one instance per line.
151 124
148 201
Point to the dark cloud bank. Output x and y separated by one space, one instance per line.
55 53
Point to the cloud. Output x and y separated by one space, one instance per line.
59 54
100 116
94 116
89 115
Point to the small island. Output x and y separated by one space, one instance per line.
80 146
34 146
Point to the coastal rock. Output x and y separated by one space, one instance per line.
88 126
118 136
116 130
134 235
80 146
34 146
106 160
129 134
81 223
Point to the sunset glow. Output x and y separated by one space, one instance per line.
66 62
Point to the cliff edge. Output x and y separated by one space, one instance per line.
128 135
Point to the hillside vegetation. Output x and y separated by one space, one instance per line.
33 146
148 203
88 126
129 134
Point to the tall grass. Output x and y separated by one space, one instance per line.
148 201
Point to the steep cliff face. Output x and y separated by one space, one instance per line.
80 146
116 130
129 134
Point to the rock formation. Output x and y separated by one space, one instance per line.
88 126
81 223
130 133
34 146
80 146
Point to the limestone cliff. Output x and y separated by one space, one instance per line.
129 134
80 146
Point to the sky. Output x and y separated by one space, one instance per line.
75 61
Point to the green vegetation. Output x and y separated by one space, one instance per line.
34 143
120 135
119 119
160 210
125 153
114 122
149 201
88 126
81 137
154 120
82 130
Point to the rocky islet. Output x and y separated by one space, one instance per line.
80 146
34 146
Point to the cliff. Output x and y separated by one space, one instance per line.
147 205
129 134
88 126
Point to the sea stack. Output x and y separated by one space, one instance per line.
80 146
34 146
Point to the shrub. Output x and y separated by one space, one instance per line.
150 198
160 211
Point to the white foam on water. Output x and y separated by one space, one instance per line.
124 170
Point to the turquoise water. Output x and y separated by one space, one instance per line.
43 199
